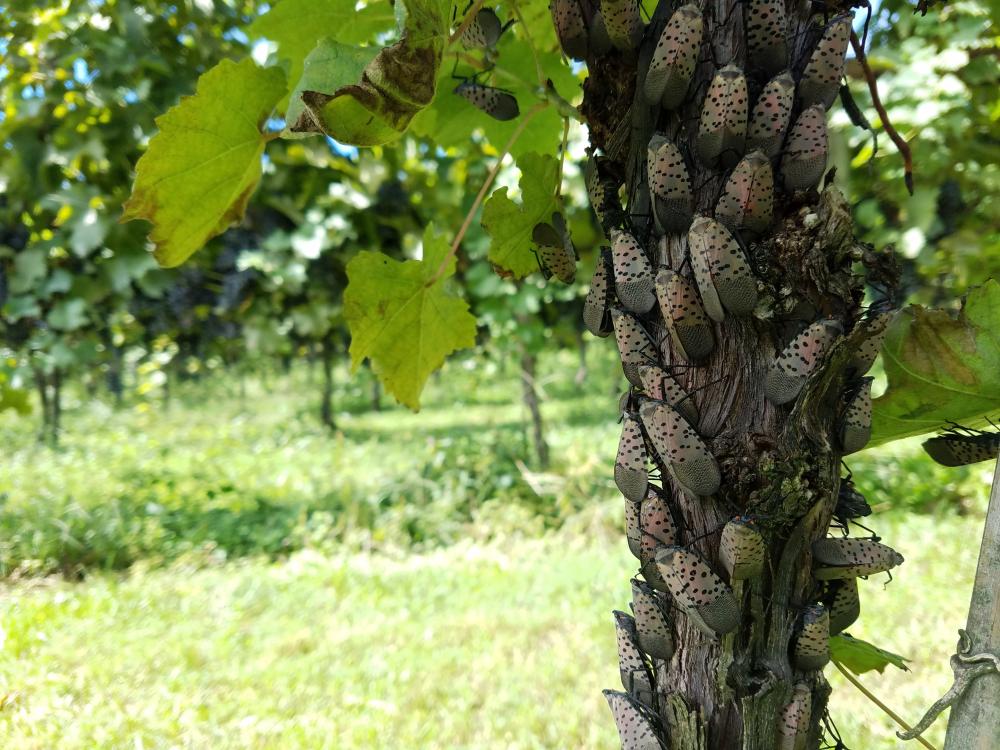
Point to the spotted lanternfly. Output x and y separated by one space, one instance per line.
956 448
634 345
856 421
623 22
842 601
797 361
805 155
647 563
685 318
497 103
820 80
876 328
793 727
567 17
723 125
680 448
556 254
851 504
633 273
812 642
669 186
484 31
674 58
746 204
631 474
766 34
696 588
597 305
720 270
850 557
652 623
771 115
632 667
637 725
602 189
633 532
660 385
656 520
742 549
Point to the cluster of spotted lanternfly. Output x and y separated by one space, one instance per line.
781 134
483 32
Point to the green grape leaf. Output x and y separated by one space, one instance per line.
328 60
199 171
298 25
861 656
377 106
68 314
401 317
510 225
941 367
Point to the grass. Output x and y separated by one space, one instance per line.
502 645
252 580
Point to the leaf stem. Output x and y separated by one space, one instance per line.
531 44
888 711
486 186
901 145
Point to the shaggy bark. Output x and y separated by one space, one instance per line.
778 462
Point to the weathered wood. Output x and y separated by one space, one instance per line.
975 719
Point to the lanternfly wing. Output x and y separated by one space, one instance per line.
637 726
812 642
685 318
674 58
600 42
555 250
498 104
660 385
597 305
567 17
805 155
720 270
771 115
633 273
669 186
602 189
797 361
956 449
742 549
795 719
836 557
723 125
633 532
856 422
746 204
632 667
695 587
766 35
631 474
679 446
484 31
652 624
656 520
876 328
634 345
820 80
623 22
841 599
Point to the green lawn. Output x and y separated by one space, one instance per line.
409 581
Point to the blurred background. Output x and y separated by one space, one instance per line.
214 535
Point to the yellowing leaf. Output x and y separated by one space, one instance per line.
297 26
402 318
199 171
941 367
377 106
510 225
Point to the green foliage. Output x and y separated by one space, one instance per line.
403 319
198 173
510 225
861 656
940 368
